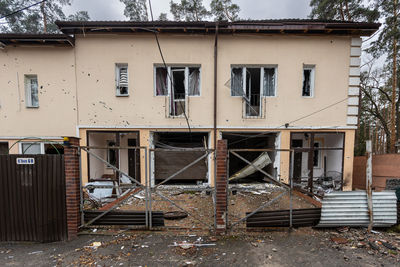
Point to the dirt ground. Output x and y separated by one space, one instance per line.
301 247
200 205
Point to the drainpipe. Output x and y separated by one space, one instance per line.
215 121
215 83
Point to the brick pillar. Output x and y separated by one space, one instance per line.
221 189
72 183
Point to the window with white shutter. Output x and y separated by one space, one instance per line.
122 79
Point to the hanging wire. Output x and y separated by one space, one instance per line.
22 9
166 68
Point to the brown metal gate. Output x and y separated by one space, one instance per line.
32 198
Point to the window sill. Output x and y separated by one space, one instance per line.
122 95
33 107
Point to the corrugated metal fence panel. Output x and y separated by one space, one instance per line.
281 218
350 208
124 217
32 206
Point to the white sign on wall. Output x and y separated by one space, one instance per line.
25 161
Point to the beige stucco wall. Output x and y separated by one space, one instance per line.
55 68
98 105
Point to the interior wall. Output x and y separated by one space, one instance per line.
333 157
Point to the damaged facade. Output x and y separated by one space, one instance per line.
278 85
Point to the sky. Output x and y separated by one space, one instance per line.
250 9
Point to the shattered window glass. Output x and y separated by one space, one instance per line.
307 82
237 82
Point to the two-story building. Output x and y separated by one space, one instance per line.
273 84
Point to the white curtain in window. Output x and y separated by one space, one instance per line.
194 82
161 81
237 82
269 82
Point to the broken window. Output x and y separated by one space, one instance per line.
253 92
252 83
178 83
308 81
122 79
177 92
237 82
111 153
31 148
31 91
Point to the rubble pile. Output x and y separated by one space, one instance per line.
376 243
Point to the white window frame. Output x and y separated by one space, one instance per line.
42 146
169 74
28 90
118 67
20 147
312 80
262 67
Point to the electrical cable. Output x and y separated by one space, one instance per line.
166 68
22 9
303 117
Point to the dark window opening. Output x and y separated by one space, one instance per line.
307 76
53 149
316 155
240 140
111 153
169 162
253 97
4 148
178 92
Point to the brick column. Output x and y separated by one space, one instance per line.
72 183
221 198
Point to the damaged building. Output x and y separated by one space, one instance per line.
266 87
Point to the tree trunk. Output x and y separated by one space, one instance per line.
394 84
341 11
44 17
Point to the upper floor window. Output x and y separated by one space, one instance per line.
308 81
31 91
121 79
243 78
177 82
185 81
253 83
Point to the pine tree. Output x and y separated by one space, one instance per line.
345 10
388 43
136 10
36 19
189 10
224 10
